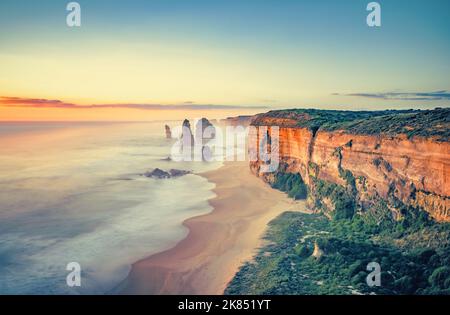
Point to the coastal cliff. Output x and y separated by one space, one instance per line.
381 164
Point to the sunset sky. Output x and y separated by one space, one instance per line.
156 59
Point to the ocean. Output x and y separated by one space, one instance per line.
73 192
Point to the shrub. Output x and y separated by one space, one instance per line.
440 277
405 285
348 247
424 255
303 251
292 183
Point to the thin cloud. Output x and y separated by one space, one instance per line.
404 96
265 100
6 101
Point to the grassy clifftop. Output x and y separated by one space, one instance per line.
425 123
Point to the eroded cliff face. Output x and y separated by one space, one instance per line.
394 170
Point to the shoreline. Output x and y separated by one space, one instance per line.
217 243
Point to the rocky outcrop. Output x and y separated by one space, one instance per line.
177 173
187 137
195 145
317 253
168 132
395 169
204 132
161 174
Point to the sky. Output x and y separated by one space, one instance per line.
159 59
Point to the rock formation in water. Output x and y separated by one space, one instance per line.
177 173
157 173
204 132
168 132
383 164
187 139
161 174
194 145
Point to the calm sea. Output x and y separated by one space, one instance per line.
72 192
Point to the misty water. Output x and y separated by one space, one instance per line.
72 192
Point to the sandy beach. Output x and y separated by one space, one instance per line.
219 242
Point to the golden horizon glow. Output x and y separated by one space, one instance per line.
282 56
116 114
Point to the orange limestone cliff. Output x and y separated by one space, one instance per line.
400 160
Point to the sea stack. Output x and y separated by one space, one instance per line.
168 132
187 139
204 132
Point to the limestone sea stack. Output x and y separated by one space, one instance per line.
168 132
187 139
204 132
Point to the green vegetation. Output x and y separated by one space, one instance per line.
285 265
352 229
313 168
292 183
349 178
341 198
426 123
315 118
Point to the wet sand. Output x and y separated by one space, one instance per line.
219 242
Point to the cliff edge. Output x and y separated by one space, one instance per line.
381 164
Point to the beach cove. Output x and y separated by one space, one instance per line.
218 243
